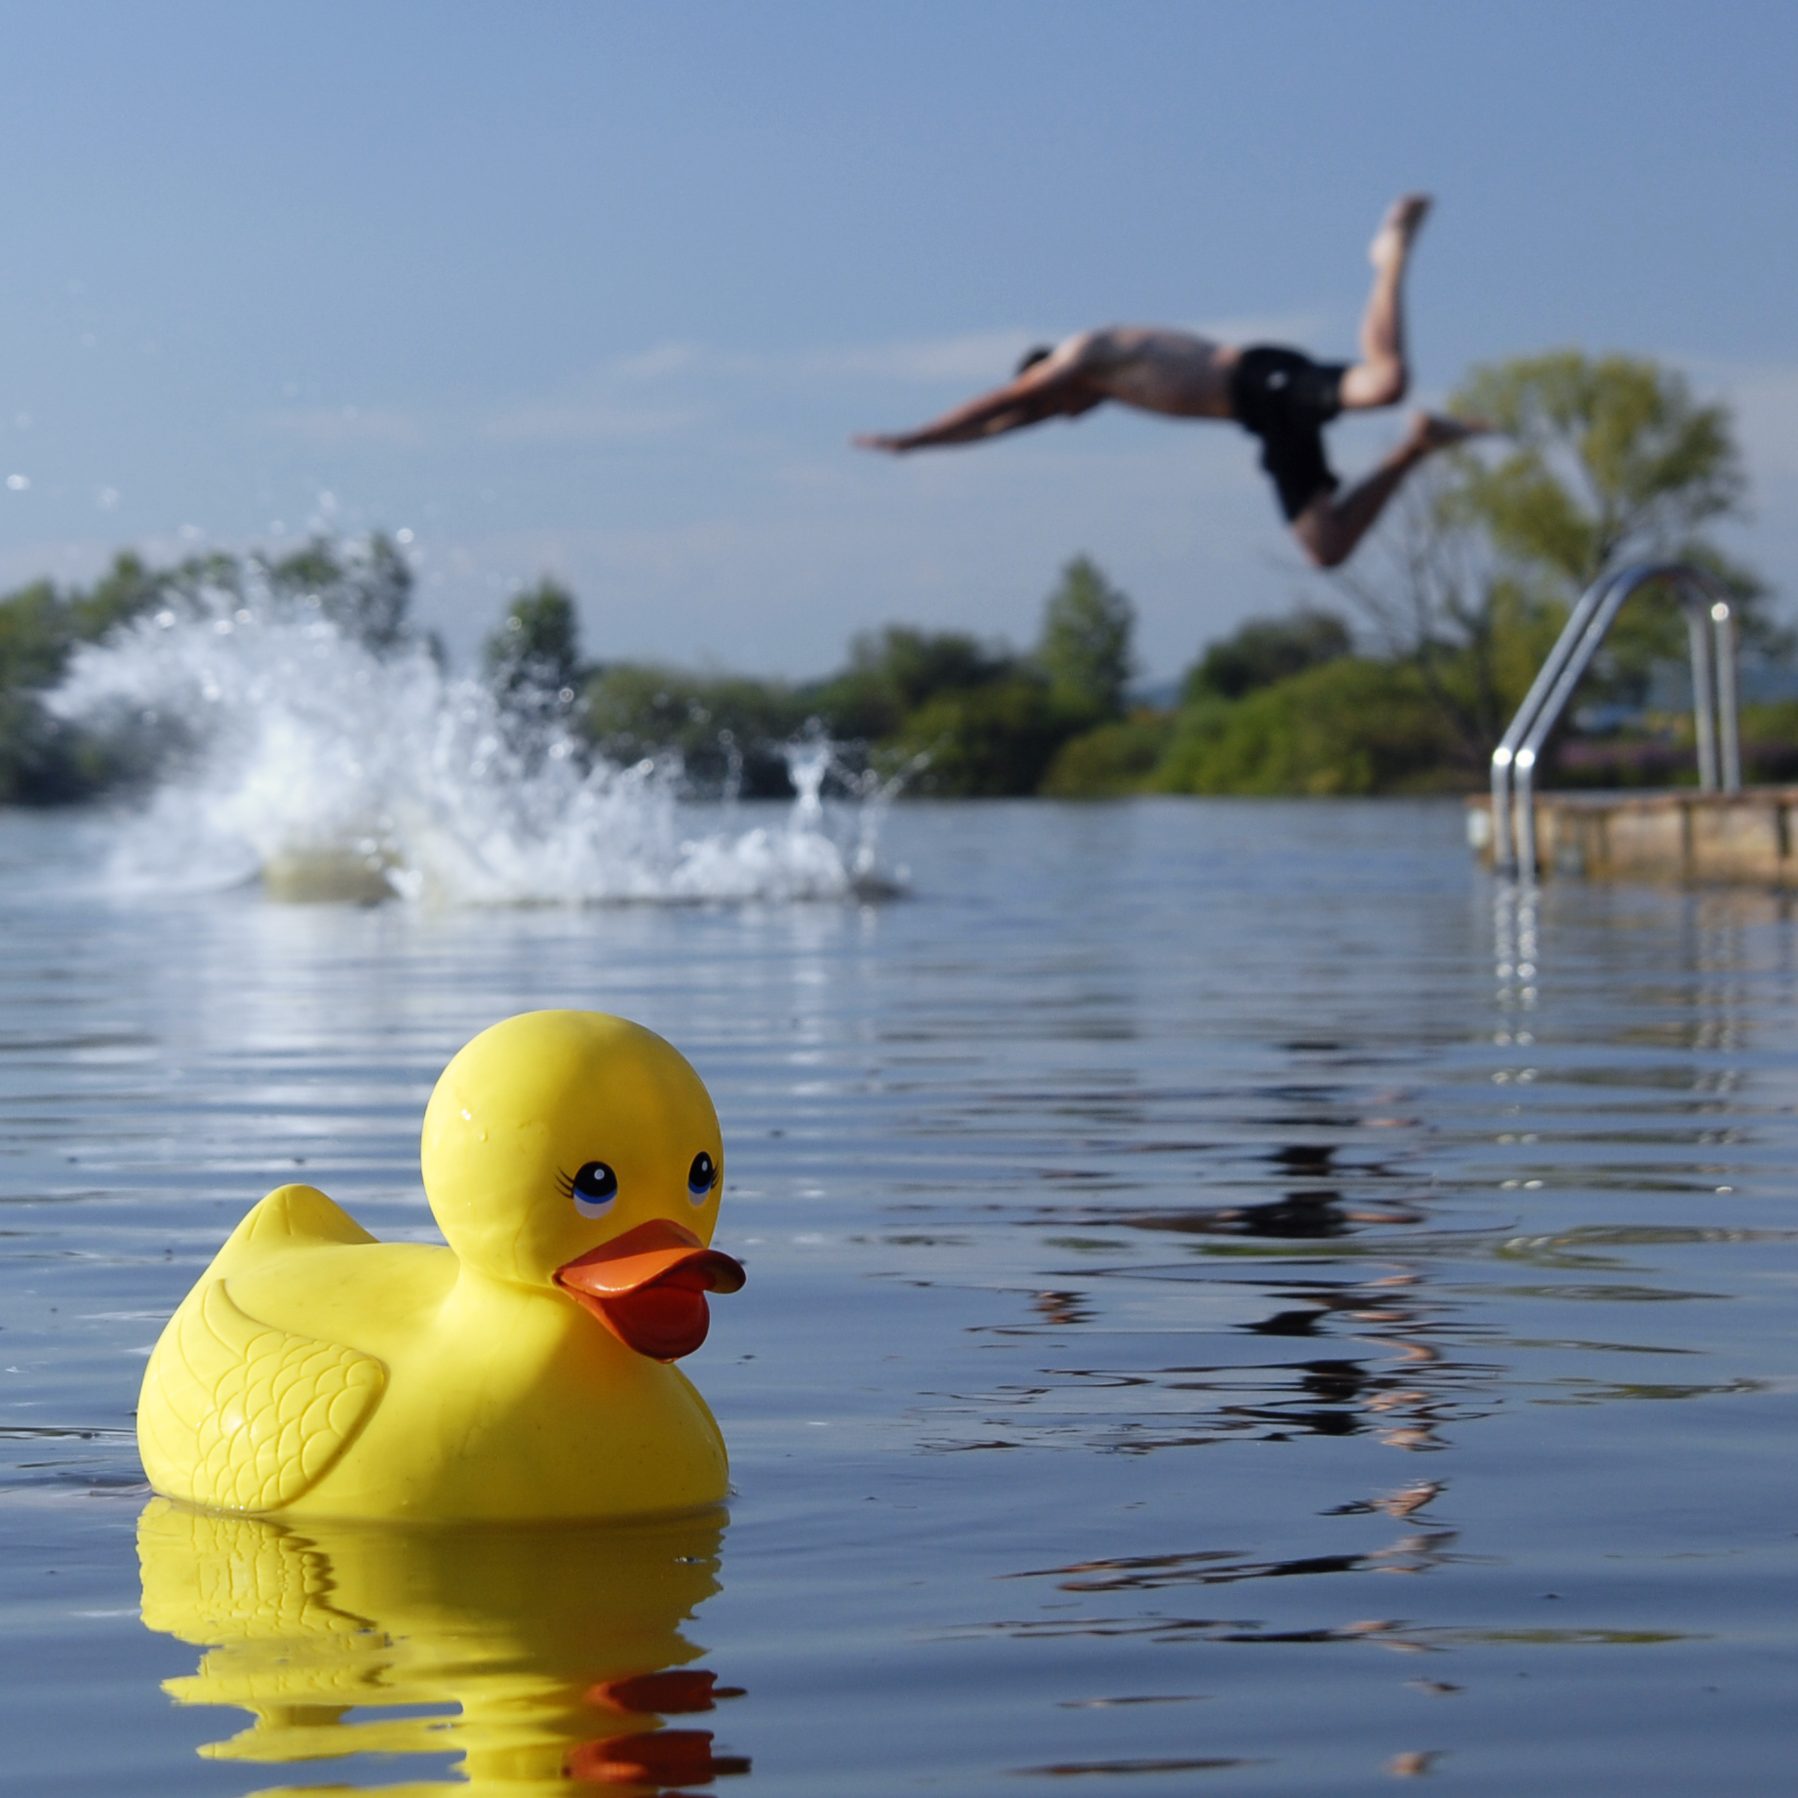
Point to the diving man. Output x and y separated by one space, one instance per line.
1278 395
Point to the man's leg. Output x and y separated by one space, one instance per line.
1382 375
1331 526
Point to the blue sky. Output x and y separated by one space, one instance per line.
601 290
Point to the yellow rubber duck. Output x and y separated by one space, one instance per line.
574 1164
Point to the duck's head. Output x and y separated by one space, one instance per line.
579 1152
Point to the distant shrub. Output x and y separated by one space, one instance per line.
1111 760
1348 726
727 729
995 740
1623 762
1265 651
1667 756
1770 742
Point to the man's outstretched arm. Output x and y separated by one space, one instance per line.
1039 392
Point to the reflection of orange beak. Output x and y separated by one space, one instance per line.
669 1692
654 1760
648 1287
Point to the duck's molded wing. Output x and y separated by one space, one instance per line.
241 1416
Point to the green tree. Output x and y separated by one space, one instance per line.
728 730
127 588
1266 650
535 653
894 671
1085 646
1606 461
36 633
995 740
35 639
42 759
1349 726
1110 760
1610 460
920 664
364 588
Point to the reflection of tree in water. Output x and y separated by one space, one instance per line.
1304 1211
1376 1358
1305 1282
1057 1307
1405 1404
1413 1553
1405 1394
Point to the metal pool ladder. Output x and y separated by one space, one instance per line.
1710 623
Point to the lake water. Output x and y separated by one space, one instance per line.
1238 1302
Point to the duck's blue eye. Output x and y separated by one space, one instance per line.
593 1189
702 1176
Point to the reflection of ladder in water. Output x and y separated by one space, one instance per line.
1710 621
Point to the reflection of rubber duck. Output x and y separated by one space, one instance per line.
538 1655
574 1164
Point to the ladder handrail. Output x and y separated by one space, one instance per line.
1710 622
1547 675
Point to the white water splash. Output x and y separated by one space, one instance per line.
329 771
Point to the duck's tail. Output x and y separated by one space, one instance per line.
289 1216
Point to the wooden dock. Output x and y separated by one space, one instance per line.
1688 837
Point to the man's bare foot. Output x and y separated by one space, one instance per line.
1431 431
1404 218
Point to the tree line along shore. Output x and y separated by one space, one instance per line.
1401 683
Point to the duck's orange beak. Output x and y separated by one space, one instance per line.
648 1287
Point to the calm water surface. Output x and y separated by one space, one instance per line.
1236 1304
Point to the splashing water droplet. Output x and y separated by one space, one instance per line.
329 770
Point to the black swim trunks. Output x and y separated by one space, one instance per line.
1286 399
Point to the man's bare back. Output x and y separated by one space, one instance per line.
1153 368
